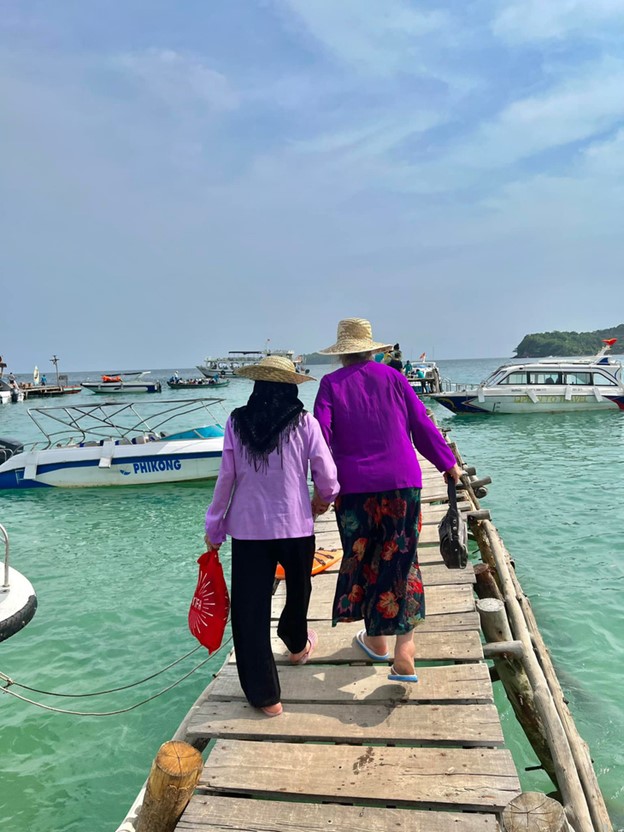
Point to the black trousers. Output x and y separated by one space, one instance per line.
253 573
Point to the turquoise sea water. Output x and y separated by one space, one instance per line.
114 571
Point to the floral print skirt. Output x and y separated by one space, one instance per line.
379 578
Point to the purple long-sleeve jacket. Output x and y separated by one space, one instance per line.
372 419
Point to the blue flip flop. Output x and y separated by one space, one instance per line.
399 677
376 657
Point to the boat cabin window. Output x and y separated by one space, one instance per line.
577 378
601 380
514 378
545 378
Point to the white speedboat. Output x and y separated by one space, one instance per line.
10 391
18 600
111 444
545 386
123 383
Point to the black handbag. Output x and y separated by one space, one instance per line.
453 533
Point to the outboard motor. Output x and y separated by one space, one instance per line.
9 447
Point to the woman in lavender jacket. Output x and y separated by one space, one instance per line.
372 419
262 500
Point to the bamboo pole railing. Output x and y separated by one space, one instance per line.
575 775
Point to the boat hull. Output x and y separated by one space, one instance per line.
555 401
201 385
122 387
108 464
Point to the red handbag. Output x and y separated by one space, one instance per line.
210 606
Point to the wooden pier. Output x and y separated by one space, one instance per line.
354 752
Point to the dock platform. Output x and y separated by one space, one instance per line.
352 750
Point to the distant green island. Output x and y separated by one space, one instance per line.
542 344
315 358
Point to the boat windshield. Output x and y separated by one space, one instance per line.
73 424
495 377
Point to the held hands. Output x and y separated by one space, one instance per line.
210 545
319 506
454 473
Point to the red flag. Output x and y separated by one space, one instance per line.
609 341
423 355
210 606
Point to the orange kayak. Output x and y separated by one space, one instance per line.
322 561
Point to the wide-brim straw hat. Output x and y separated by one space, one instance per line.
354 335
274 368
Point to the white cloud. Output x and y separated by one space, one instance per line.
524 20
574 110
175 78
372 139
372 36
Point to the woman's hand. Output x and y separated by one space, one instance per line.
319 506
454 473
210 545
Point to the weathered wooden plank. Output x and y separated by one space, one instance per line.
337 645
428 534
450 622
433 574
428 553
391 722
328 540
403 777
432 514
439 599
213 813
367 683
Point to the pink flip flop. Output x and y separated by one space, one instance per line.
312 642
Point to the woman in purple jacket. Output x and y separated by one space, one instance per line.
262 500
372 419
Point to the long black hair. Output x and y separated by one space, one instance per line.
262 426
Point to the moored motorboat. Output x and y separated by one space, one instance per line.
111 444
545 386
123 383
177 383
423 376
226 367
18 601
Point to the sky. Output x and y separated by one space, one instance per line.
182 179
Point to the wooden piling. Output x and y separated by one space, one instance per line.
511 673
172 780
534 812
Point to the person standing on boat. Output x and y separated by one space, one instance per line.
371 419
262 500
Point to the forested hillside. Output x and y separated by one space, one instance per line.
541 344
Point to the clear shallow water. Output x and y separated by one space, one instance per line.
114 571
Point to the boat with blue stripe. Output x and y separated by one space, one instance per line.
111 444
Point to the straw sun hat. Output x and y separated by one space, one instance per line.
354 335
274 368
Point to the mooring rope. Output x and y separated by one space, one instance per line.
12 682
120 710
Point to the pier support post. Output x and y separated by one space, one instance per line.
172 780
517 685
534 812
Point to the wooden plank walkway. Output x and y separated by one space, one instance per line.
352 750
